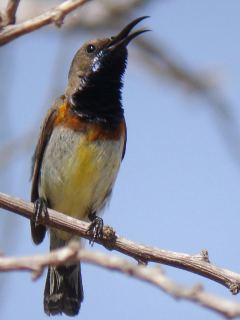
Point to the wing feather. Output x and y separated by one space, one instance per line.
46 131
38 231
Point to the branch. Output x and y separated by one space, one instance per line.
98 14
11 11
198 264
9 16
55 15
155 276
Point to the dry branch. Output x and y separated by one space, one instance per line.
11 11
198 264
155 276
55 16
9 16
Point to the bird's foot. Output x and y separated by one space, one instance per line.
96 228
40 210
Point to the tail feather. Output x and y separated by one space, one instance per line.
63 290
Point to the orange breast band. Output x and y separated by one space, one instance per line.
95 131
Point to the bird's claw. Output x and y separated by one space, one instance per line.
95 230
40 210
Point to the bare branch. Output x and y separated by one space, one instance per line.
98 14
10 16
198 264
155 276
55 15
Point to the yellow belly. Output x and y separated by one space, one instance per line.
77 175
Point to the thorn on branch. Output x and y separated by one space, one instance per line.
203 256
58 18
142 262
234 287
109 237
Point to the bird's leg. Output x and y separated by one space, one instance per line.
40 210
96 227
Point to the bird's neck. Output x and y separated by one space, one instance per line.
99 98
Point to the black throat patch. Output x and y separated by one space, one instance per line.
98 99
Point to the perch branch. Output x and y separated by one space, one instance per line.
55 15
198 264
9 16
155 276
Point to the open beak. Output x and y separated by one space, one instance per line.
124 37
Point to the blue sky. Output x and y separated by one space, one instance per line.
179 184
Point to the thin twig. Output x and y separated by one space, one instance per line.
98 14
155 276
198 264
55 16
10 15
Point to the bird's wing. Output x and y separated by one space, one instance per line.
46 131
125 140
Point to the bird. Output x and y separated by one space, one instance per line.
81 145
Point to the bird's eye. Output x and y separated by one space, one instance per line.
90 48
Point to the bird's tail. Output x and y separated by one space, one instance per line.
63 289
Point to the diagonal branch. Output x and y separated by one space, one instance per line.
11 11
155 276
198 264
55 15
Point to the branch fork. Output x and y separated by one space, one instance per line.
10 31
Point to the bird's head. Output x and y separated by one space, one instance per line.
101 61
